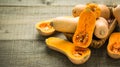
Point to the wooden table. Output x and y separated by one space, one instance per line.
22 46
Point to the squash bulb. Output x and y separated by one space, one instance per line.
113 47
44 28
75 54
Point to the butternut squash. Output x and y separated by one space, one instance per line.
44 28
69 24
113 47
116 13
75 54
85 28
77 9
105 11
97 43
101 28
65 24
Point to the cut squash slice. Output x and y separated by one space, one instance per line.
85 28
86 24
44 28
113 47
76 55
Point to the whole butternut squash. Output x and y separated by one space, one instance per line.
65 24
116 13
101 28
77 9
105 11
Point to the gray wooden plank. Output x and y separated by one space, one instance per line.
22 32
53 2
34 53
31 15
19 22
12 31
22 46
20 2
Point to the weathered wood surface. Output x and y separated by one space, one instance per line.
22 46
54 2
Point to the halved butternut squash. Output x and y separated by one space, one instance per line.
86 24
113 47
76 54
44 28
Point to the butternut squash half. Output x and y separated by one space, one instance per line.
44 28
113 47
86 24
76 55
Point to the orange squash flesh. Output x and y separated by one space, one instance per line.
75 54
95 8
86 24
83 34
44 28
113 47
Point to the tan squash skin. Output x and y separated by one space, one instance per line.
75 55
44 28
116 13
101 28
65 24
77 10
105 12
68 25
113 47
96 43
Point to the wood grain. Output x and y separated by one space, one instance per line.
54 2
22 46
29 53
